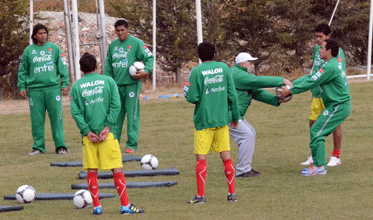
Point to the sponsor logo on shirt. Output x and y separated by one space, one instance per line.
120 55
219 89
89 84
214 71
131 94
33 52
42 53
187 83
94 101
96 90
116 48
58 98
207 90
213 80
121 49
30 102
129 48
49 50
42 59
325 113
144 46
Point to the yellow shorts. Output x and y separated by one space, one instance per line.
106 155
317 106
215 139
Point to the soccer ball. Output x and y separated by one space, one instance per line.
136 66
25 194
82 199
278 89
149 162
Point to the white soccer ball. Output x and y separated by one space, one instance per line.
25 194
82 199
136 66
149 162
278 89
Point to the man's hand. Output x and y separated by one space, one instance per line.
285 92
104 133
64 91
287 82
234 125
93 137
23 93
140 74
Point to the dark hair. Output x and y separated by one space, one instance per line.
87 63
332 45
36 29
121 23
323 28
206 51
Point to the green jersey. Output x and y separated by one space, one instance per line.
95 103
122 54
210 86
318 62
332 81
248 87
42 66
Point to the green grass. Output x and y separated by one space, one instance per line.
166 131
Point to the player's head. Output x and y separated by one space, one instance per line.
122 29
322 32
88 63
333 46
206 51
246 60
39 34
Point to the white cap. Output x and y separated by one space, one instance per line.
243 57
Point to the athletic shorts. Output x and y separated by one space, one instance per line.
215 139
105 155
317 106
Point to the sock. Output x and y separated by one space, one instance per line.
201 173
337 153
93 187
229 174
120 184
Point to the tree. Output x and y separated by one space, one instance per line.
176 29
13 39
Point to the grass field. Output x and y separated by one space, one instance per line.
166 131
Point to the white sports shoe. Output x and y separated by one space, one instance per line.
334 161
308 162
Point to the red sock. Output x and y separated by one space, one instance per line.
201 172
337 153
120 184
229 174
93 187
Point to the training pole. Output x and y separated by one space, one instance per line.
335 9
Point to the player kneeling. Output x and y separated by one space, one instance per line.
95 105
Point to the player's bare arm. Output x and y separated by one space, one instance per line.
23 93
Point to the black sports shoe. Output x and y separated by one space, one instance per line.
248 174
232 197
197 199
255 171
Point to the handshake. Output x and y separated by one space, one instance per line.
283 92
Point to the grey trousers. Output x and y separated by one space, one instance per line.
244 136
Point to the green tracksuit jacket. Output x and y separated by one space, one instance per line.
120 56
335 93
95 103
248 87
42 69
210 86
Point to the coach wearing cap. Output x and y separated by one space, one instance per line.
248 87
